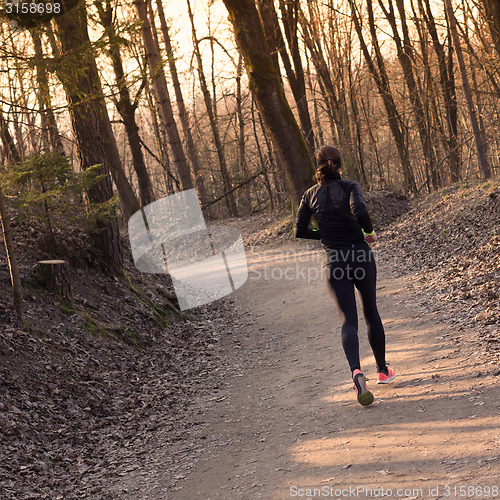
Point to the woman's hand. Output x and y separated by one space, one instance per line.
371 238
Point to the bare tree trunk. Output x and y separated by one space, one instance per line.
159 83
8 143
335 92
359 144
406 60
481 147
263 165
27 116
241 138
183 114
49 124
320 138
12 157
161 143
373 142
125 106
128 200
270 99
267 15
212 60
311 39
290 15
382 81
91 125
275 165
13 117
492 11
17 290
429 94
483 57
226 179
447 82
295 72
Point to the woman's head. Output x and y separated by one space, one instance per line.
328 163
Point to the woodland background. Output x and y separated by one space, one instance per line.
102 111
116 104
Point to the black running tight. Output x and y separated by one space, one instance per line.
346 269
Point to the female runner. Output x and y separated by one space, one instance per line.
345 229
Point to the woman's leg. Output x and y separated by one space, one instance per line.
366 283
341 291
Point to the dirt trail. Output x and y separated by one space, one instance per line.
290 422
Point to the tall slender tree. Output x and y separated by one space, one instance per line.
50 131
124 103
379 73
181 107
492 11
159 83
481 146
13 157
405 54
91 126
266 88
212 116
293 65
242 162
447 82
331 83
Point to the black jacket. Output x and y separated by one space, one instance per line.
339 209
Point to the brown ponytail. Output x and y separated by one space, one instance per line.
328 163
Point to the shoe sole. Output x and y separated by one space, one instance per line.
365 397
387 380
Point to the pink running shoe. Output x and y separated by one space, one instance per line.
385 378
365 397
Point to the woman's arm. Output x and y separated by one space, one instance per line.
302 229
358 209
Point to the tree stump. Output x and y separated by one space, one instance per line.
54 274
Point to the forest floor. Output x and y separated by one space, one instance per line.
285 421
288 422
252 399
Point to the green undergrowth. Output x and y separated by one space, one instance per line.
159 316
97 327
286 227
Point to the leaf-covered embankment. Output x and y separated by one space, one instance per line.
450 242
84 383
